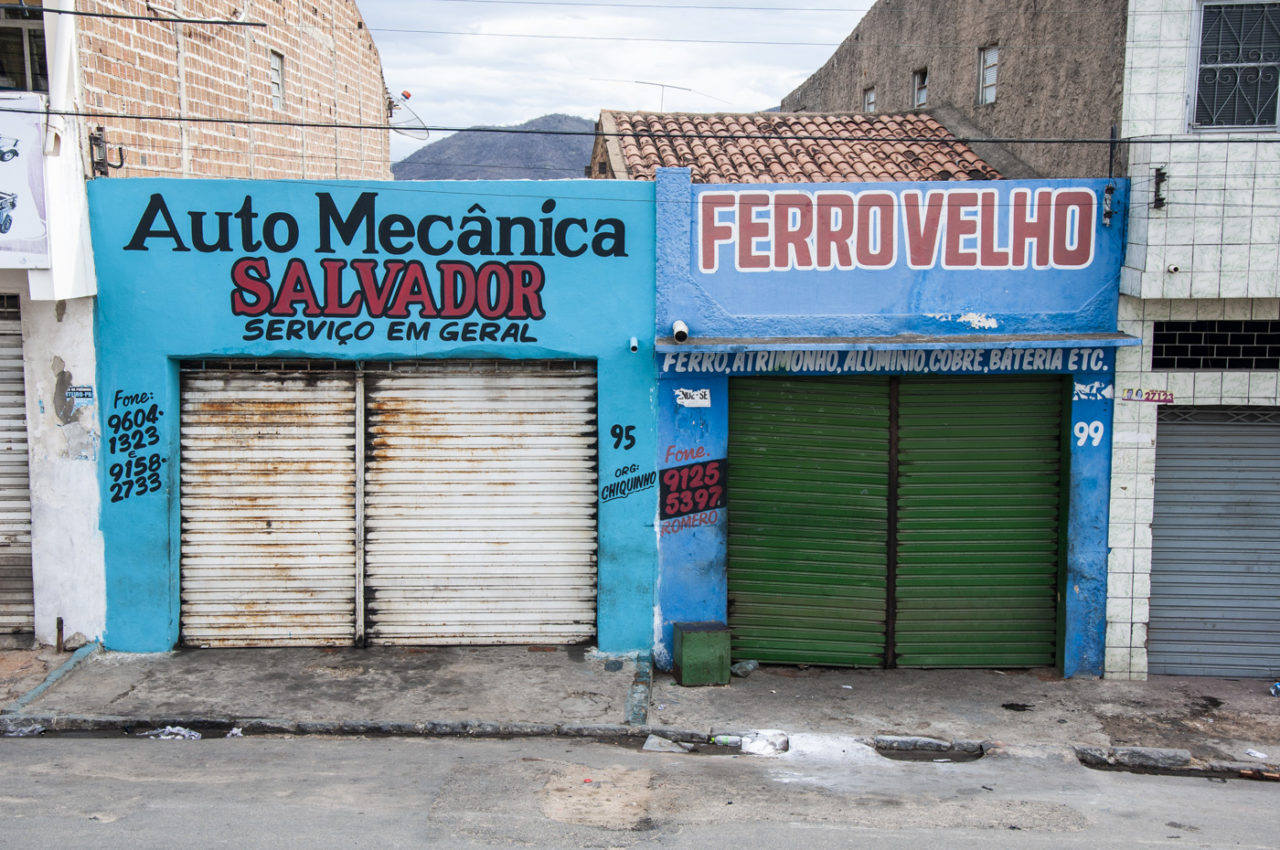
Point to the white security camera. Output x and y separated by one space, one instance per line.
1173 268
635 345
680 331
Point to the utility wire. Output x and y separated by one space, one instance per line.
676 6
152 18
938 140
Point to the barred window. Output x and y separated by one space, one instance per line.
1239 65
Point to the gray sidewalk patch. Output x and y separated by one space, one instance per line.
67 666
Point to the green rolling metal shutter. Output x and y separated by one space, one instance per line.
978 513
808 519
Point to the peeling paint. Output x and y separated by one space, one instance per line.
978 321
63 407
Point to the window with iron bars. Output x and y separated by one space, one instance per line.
1239 65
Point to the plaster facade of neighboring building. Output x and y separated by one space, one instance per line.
135 76
921 54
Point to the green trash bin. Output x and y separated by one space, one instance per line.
701 653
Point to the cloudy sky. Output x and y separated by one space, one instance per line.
503 62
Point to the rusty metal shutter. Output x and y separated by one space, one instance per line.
16 605
480 511
1215 543
808 519
979 510
268 507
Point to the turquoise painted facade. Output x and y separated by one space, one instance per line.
365 271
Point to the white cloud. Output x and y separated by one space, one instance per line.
466 80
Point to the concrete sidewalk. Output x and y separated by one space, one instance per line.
575 691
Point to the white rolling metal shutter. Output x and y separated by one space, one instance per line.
481 503
268 508
16 606
1215 571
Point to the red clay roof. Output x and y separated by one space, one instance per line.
795 147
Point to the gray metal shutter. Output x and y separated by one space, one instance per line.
16 605
1215 571
808 519
979 503
480 509
268 508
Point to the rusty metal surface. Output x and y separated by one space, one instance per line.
480 503
268 509
16 603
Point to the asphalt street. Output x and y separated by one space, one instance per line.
827 792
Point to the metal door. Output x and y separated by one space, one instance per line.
979 500
1215 538
16 603
480 522
903 521
268 502
808 519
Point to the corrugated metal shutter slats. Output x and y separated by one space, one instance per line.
16 601
268 509
807 519
480 504
1215 573
978 512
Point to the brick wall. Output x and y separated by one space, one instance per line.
332 74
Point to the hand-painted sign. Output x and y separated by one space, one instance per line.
873 228
881 260
288 285
973 361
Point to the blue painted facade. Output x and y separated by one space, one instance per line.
1011 277
366 271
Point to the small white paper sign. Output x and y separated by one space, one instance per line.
694 398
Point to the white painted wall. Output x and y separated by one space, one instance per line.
63 444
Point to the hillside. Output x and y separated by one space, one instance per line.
479 155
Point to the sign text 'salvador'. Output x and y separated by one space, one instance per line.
500 281
790 230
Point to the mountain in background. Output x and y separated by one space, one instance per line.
477 155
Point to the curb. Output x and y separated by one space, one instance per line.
1171 762
54 724
66 667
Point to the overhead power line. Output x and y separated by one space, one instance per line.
653 39
677 6
1268 139
221 22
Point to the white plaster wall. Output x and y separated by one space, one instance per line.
63 444
1133 459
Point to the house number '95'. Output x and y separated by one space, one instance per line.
1088 432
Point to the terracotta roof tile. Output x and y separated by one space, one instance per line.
795 147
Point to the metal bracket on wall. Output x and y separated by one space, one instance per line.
99 154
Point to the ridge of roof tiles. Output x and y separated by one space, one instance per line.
795 147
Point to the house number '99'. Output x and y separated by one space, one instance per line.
1088 431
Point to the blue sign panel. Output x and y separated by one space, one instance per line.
885 259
